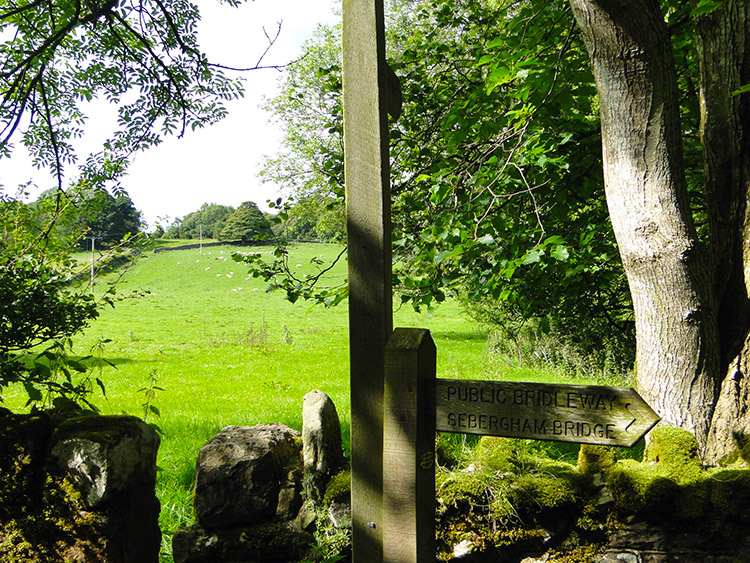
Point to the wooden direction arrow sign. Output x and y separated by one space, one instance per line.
586 414
417 404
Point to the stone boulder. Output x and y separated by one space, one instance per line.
321 442
248 474
248 494
642 542
106 455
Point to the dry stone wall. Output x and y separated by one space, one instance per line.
249 503
77 487
265 493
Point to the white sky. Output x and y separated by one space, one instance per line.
218 164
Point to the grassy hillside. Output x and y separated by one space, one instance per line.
226 352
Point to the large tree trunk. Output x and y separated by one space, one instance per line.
724 55
691 302
677 355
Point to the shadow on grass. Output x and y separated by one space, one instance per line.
122 361
460 336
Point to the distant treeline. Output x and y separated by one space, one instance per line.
311 219
223 222
84 216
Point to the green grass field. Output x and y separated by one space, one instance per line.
226 352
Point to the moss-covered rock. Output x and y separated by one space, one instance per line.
338 489
670 483
595 459
498 454
105 455
508 501
58 526
730 494
23 449
672 489
674 448
508 496
333 519
262 541
45 515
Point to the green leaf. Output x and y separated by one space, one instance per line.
533 256
560 253
43 370
440 256
35 395
497 42
100 383
77 366
439 193
707 6
554 240
498 77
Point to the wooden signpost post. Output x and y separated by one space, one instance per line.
371 92
397 404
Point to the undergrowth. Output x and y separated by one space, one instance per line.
601 348
605 361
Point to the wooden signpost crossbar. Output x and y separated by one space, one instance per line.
585 414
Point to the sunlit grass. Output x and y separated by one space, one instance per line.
226 352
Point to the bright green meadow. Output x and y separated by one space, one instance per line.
224 351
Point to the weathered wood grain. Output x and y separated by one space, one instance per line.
409 448
366 170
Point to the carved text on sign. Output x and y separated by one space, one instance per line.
568 413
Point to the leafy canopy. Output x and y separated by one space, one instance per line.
208 220
496 182
497 192
57 56
246 224
86 213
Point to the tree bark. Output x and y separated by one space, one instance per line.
723 41
677 351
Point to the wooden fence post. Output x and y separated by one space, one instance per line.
409 448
